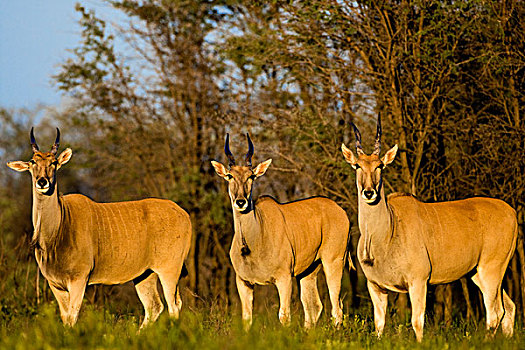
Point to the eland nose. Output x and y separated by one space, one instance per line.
42 182
368 194
240 203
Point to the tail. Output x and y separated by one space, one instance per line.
351 265
353 276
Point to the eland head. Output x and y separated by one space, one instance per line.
43 165
369 167
240 177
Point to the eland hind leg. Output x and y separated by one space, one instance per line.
148 293
507 324
170 281
178 298
418 298
333 271
334 252
310 299
284 288
490 286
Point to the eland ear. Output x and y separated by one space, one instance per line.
64 157
18 165
261 168
219 169
389 156
349 156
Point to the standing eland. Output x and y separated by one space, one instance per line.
274 242
79 242
406 244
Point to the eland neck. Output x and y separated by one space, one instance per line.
375 225
47 215
247 227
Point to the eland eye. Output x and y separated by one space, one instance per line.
229 176
356 166
252 177
32 161
380 167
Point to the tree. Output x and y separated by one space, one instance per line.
446 76
151 125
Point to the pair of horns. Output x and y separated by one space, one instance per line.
54 148
377 145
231 159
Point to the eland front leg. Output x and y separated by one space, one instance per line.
380 302
62 297
245 290
77 289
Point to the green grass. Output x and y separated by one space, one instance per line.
204 329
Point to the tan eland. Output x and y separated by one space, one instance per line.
406 244
275 242
79 242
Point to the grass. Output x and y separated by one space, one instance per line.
99 328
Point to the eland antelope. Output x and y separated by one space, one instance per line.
79 242
274 242
406 244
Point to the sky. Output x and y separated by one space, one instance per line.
34 38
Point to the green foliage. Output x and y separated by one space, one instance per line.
92 63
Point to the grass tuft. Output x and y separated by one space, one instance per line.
99 328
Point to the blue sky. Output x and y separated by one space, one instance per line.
34 38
